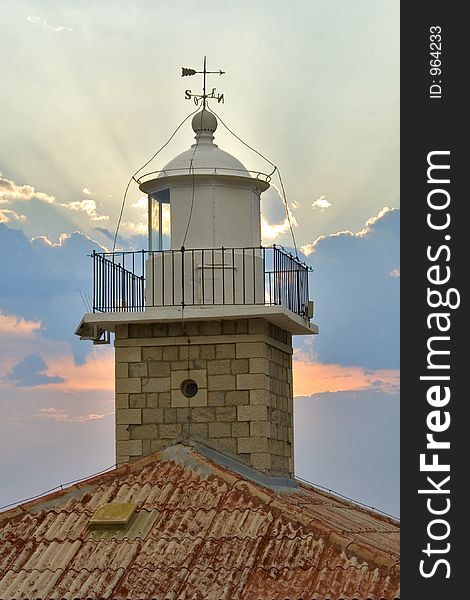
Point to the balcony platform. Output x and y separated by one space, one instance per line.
92 323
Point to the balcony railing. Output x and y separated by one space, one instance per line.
134 281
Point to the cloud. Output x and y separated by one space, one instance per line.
40 21
46 279
356 300
26 204
10 191
86 206
315 378
25 208
274 221
95 373
59 414
141 203
12 325
308 249
321 203
395 272
6 216
30 371
107 234
131 228
276 230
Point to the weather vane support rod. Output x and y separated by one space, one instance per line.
188 94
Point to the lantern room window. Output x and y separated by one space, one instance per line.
159 220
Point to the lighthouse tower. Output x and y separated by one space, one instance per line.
204 317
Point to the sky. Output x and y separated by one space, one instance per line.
90 90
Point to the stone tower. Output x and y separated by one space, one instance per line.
203 319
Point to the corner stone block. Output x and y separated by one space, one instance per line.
122 400
128 416
253 381
259 397
252 413
128 354
122 432
121 370
129 447
259 365
128 385
251 349
260 429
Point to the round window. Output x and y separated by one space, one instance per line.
189 388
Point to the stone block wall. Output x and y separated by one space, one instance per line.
243 406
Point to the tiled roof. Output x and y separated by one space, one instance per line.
201 531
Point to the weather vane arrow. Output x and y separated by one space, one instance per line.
185 72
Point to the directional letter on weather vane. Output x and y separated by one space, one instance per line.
197 97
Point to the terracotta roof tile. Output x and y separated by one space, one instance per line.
201 530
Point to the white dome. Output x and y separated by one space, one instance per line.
204 156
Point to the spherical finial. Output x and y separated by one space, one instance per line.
204 122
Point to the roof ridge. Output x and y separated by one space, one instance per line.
325 567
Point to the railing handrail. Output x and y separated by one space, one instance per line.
209 170
274 247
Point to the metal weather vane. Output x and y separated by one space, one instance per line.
204 96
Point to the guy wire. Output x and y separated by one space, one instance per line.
133 178
284 197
